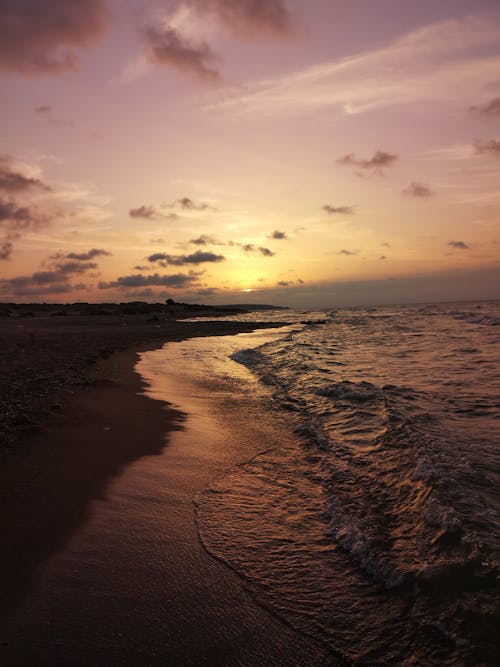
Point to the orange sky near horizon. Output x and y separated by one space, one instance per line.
310 154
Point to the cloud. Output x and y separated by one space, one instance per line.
343 210
187 204
18 216
206 239
197 257
347 252
150 213
167 46
178 39
14 181
460 245
36 290
44 108
491 108
53 281
178 280
143 211
375 164
68 268
266 252
492 146
248 17
444 62
63 265
382 257
40 37
6 248
250 247
278 235
90 254
30 204
16 219
418 190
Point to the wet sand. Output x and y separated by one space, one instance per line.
97 569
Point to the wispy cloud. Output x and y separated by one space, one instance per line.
277 235
13 180
443 61
459 245
29 204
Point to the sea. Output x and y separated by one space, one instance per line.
374 527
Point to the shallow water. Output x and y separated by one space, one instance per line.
376 529
133 585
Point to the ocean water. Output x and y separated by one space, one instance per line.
376 527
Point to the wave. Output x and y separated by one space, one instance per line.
393 414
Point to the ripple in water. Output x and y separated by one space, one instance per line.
376 529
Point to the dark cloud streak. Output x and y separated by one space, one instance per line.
198 257
86 256
460 245
178 280
342 210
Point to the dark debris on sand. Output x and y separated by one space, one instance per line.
44 358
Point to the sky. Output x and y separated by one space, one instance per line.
303 153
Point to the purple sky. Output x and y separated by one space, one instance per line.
304 153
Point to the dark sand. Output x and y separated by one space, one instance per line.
58 604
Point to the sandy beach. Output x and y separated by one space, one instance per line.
97 572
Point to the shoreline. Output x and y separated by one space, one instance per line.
45 360
50 490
